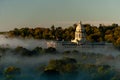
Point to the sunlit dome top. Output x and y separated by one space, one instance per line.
79 26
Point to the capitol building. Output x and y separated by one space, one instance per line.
80 43
79 34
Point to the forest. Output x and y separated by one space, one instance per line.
102 33
22 63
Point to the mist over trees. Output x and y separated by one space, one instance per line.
93 33
49 64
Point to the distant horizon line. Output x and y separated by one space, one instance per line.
63 24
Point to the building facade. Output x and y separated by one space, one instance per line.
79 34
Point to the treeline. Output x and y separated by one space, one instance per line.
21 51
44 33
109 33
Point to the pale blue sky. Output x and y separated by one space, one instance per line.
44 13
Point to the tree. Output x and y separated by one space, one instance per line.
11 70
109 38
50 50
62 65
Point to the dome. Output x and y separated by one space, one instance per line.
79 26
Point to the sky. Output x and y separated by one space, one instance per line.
64 13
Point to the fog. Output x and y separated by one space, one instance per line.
9 58
23 61
26 63
26 43
32 43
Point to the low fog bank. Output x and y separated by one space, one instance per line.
17 60
107 51
24 61
32 43
26 43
